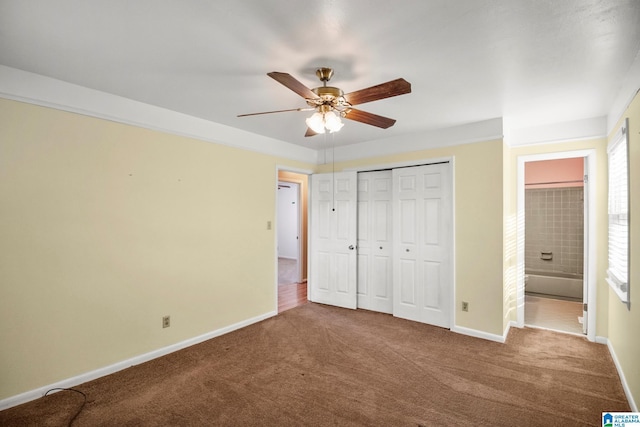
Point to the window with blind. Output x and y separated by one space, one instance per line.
618 271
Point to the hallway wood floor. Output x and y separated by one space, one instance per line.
290 294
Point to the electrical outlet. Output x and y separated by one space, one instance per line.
268 225
465 306
166 321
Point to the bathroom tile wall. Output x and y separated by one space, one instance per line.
554 219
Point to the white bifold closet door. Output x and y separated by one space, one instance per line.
375 244
422 217
333 261
401 223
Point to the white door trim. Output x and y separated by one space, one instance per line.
589 234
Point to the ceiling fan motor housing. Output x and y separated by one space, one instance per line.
328 93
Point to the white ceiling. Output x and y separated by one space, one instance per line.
530 62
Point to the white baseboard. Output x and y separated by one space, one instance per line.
511 324
101 372
481 334
625 386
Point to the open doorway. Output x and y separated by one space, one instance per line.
288 232
555 241
292 196
554 244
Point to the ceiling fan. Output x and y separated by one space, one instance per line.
331 103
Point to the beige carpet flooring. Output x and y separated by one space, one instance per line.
317 365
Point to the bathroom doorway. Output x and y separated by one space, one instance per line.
554 207
554 244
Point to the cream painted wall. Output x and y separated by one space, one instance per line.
478 182
624 325
600 146
105 228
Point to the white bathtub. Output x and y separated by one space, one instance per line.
568 286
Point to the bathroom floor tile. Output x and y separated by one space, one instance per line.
553 314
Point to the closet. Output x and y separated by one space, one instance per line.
383 241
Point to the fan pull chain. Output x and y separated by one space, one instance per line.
333 171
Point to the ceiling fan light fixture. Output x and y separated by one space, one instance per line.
320 121
332 122
316 123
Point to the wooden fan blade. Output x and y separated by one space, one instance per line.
310 132
381 91
369 118
289 81
277 111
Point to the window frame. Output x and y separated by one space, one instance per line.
618 213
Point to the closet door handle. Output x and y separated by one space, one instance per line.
351 247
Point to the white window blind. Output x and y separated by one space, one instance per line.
618 271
